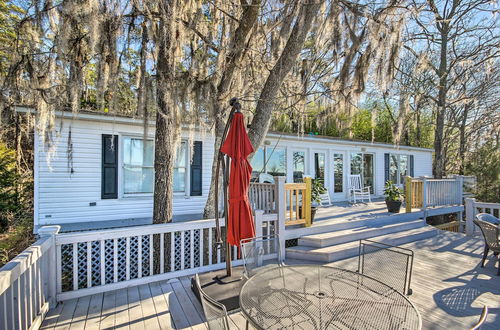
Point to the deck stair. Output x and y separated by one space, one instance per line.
343 242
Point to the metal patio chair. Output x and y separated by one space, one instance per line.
482 319
215 312
488 218
357 190
391 265
260 253
491 241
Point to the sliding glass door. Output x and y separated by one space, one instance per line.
362 163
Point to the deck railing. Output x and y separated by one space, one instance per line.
425 192
262 197
472 208
27 286
298 203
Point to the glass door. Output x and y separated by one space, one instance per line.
362 164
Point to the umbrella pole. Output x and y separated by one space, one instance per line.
225 171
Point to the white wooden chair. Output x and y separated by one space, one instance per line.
325 199
356 189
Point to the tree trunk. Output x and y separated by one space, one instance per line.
233 59
266 104
438 165
462 141
167 126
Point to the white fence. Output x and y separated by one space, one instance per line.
27 288
440 192
472 208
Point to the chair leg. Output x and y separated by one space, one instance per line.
246 325
485 255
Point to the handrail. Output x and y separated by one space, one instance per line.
472 208
427 192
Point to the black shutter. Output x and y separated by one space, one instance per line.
386 167
196 171
109 171
412 167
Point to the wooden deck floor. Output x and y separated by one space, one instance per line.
449 288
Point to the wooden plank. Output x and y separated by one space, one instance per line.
108 310
186 283
94 312
136 318
80 314
115 260
139 256
127 258
64 319
89 264
186 304
162 253
161 306
102 261
121 310
148 308
50 320
179 318
75 266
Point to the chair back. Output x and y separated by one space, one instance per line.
266 178
488 218
490 234
260 252
482 319
355 182
215 312
391 265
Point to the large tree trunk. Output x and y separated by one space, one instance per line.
438 165
463 141
266 104
233 59
167 126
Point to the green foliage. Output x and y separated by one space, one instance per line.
9 18
484 163
317 189
393 192
8 185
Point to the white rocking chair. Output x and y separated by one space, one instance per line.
357 190
325 199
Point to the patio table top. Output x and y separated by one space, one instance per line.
322 297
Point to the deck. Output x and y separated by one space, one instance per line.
449 289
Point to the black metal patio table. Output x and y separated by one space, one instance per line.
321 297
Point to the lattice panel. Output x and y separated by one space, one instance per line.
108 261
67 267
122 259
177 250
82 265
145 255
187 249
96 263
134 257
197 237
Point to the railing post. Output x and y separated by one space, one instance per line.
306 202
408 194
425 187
259 216
280 200
460 190
470 213
50 276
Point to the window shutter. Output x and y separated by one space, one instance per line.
196 172
412 171
109 171
386 167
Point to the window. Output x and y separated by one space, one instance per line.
138 166
138 171
319 166
398 168
363 164
299 166
338 173
180 167
269 160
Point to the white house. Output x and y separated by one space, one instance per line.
100 171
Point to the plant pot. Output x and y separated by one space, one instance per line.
313 212
393 206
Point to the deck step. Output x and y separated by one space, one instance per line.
350 249
370 229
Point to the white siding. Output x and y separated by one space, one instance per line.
62 197
65 197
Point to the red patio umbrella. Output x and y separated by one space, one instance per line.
240 224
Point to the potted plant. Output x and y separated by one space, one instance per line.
393 197
317 189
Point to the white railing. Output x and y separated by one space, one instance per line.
262 196
472 208
27 288
439 192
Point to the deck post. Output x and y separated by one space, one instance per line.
424 196
259 217
306 202
51 266
280 200
460 190
409 194
470 211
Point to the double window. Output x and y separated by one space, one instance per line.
138 166
398 168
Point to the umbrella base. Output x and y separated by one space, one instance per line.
222 288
